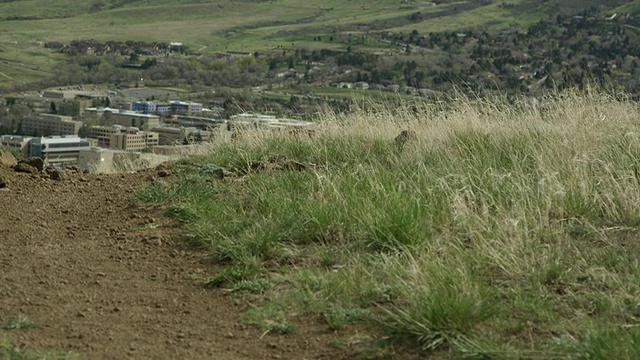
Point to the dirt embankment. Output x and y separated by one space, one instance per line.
106 279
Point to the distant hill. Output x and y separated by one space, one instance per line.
259 24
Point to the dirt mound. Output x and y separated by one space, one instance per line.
108 280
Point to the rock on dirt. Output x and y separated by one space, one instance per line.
4 183
164 173
7 158
57 174
25 168
30 165
34 161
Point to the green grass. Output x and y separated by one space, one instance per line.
502 231
18 323
12 352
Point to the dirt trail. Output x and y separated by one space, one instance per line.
107 280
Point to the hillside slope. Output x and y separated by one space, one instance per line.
259 24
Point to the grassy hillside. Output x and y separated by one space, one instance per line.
255 24
226 25
495 232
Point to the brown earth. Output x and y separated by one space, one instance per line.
106 279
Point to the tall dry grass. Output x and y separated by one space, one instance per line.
502 230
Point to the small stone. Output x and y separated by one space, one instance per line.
164 173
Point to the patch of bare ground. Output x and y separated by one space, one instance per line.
105 279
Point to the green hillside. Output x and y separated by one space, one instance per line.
252 25
260 24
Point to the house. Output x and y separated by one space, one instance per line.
361 85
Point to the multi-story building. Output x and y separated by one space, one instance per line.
185 108
58 150
50 124
181 135
174 107
145 107
163 109
95 113
129 119
126 118
97 132
119 138
17 143
134 140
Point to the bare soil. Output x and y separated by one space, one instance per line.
106 279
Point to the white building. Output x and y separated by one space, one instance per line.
58 150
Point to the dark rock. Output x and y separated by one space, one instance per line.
33 161
25 168
164 173
4 183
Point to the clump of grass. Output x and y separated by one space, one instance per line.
443 307
337 318
271 316
19 323
12 352
254 286
234 276
499 230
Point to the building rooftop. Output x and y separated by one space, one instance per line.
180 102
61 139
15 138
122 112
